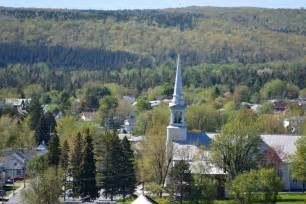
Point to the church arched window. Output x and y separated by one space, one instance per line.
178 117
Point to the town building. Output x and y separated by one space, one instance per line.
193 147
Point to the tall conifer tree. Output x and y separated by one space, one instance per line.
36 112
76 159
128 175
111 165
88 169
54 150
64 162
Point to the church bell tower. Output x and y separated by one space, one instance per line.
176 131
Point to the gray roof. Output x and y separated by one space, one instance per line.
284 144
196 138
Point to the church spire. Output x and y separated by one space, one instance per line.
178 98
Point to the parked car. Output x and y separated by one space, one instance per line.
9 181
18 178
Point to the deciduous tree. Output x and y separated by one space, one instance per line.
236 149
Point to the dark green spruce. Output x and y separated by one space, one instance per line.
54 150
128 175
88 169
76 159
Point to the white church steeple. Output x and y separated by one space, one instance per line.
178 97
177 128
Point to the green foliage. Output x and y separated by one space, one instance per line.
76 160
43 189
142 105
256 186
35 113
107 111
128 181
275 89
142 122
33 90
15 133
93 94
297 163
45 127
54 151
271 124
154 165
236 149
111 166
202 117
118 175
88 169
64 159
204 189
180 180
266 108
37 166
68 126
213 35
241 94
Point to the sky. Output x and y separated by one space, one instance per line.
150 4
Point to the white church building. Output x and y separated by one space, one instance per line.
194 146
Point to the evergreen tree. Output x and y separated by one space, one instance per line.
50 121
42 134
36 112
88 169
45 128
76 159
180 180
111 165
54 150
128 180
64 160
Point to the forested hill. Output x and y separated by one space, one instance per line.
94 39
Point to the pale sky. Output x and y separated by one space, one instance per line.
152 4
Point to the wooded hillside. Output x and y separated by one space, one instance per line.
146 38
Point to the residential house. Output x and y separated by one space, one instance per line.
14 161
279 106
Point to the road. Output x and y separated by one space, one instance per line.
16 199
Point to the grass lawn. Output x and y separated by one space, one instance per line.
287 198
284 198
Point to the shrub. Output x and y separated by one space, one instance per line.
256 186
204 190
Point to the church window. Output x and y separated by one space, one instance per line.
178 117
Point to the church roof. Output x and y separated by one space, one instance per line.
284 145
196 138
